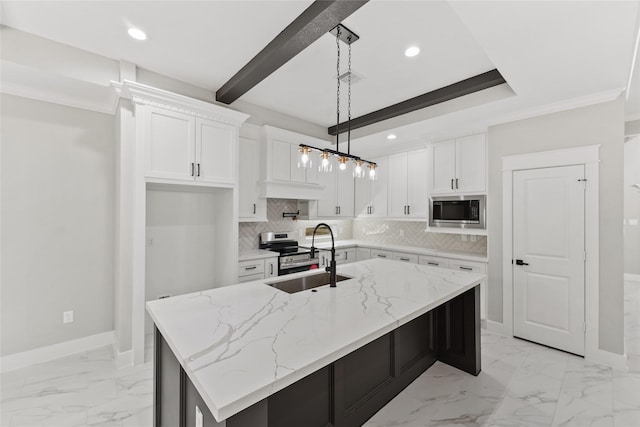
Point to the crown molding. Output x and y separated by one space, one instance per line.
147 95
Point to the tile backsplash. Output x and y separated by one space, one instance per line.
249 231
378 231
412 233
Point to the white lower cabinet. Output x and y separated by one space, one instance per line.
433 261
343 256
256 269
363 254
381 253
405 257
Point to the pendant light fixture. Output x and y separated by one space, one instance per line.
347 159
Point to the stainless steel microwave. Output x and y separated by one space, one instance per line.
458 212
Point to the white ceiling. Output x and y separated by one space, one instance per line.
549 52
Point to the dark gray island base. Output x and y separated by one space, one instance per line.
346 392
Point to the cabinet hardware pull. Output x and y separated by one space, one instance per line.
408 209
254 208
192 169
452 183
253 267
381 256
371 210
404 209
405 259
346 255
433 263
271 269
198 169
456 183
520 262
466 268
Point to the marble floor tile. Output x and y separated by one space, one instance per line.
521 384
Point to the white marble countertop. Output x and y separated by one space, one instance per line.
240 344
256 254
399 248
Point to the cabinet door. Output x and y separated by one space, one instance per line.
381 253
280 160
169 144
405 257
470 163
249 175
363 254
216 152
434 261
363 200
417 198
397 180
270 267
327 200
443 168
345 193
379 189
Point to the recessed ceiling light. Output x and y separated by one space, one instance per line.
412 51
137 34
391 136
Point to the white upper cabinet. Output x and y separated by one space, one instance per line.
250 206
216 152
371 196
459 165
169 144
337 195
186 140
407 185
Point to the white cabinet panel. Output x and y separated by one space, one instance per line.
405 257
381 253
327 206
297 172
417 199
345 194
397 184
363 254
270 267
443 170
280 160
250 278
434 261
169 144
470 163
249 205
216 152
250 267
371 195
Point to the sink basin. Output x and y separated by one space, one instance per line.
306 282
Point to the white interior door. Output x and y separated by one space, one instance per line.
548 256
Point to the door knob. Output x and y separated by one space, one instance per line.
520 262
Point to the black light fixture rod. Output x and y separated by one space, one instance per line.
338 153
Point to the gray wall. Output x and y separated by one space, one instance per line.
597 124
632 206
57 223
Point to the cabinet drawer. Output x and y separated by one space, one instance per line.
400 256
434 261
250 278
470 266
378 253
251 267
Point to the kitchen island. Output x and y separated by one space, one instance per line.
252 355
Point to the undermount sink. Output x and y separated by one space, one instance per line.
306 282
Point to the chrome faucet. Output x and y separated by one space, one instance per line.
332 264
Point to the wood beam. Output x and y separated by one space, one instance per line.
317 20
447 93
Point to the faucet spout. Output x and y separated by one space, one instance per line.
332 264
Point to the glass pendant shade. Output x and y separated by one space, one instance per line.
304 161
358 171
372 171
342 163
325 162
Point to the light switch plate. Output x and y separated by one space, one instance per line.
67 316
199 420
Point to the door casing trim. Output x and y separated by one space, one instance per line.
589 156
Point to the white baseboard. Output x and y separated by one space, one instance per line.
123 359
499 328
55 351
632 277
616 361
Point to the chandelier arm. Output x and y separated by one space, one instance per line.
337 153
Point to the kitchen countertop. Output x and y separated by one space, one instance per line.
399 248
256 254
240 344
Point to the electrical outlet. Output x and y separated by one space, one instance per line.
401 233
149 242
67 316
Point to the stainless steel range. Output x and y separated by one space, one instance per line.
292 258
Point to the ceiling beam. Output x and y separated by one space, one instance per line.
447 93
317 20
